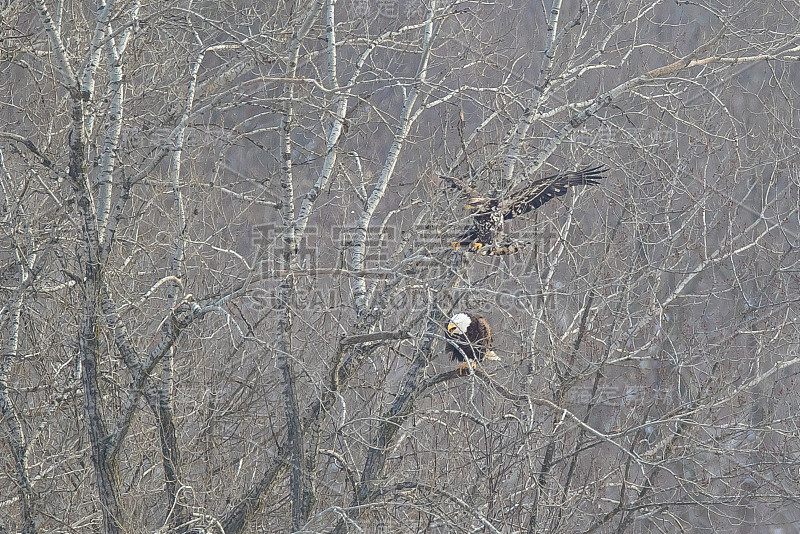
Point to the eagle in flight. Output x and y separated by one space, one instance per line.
469 340
488 214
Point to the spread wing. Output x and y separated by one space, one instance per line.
544 189
488 213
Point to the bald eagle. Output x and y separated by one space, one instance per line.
490 213
469 340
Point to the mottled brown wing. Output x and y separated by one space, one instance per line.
545 189
484 335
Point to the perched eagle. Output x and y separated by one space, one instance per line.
469 340
490 213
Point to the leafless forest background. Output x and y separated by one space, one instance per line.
225 269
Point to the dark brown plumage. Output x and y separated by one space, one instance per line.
469 339
489 213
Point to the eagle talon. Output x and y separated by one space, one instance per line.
463 369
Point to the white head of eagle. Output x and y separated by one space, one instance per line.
460 323
469 337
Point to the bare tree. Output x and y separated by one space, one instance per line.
227 267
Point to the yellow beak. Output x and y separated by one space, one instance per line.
451 328
468 207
